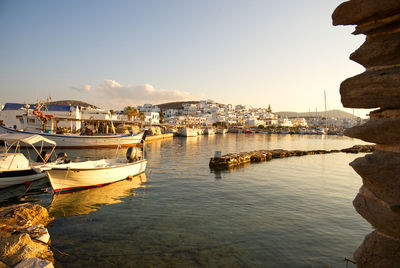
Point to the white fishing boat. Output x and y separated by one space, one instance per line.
209 131
188 132
89 200
82 175
15 167
81 141
222 131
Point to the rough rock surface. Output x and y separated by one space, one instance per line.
16 247
378 250
15 242
378 87
34 262
378 213
24 213
234 160
359 11
372 89
380 172
384 131
380 51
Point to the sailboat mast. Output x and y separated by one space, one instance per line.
326 117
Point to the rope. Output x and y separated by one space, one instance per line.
27 189
59 251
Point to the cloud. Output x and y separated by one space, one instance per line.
113 94
84 88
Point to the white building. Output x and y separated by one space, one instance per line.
22 116
152 117
149 108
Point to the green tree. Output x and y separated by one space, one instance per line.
131 112
269 108
162 115
142 117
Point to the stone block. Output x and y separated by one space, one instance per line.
383 50
380 173
382 131
377 27
17 247
360 11
378 250
34 262
378 213
372 89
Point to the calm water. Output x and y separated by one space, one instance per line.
292 212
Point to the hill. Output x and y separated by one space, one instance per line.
330 114
174 105
72 102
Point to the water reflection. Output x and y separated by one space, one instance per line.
218 173
87 201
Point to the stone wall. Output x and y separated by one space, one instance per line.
378 200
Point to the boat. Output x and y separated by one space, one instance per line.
81 141
321 131
209 131
82 175
90 200
188 132
15 167
222 131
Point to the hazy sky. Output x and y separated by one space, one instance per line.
117 53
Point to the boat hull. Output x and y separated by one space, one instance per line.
188 132
73 179
11 179
80 142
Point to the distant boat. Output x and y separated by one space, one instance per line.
81 141
188 132
209 131
222 131
321 131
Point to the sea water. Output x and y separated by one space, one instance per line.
290 212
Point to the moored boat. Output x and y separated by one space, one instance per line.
188 132
83 175
15 167
222 131
81 141
209 131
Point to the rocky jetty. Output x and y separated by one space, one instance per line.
23 237
234 160
378 200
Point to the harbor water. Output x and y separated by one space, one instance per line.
290 212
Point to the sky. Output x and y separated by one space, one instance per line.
118 53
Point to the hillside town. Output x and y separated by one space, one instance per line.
86 118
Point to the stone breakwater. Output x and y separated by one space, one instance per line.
23 237
378 200
234 160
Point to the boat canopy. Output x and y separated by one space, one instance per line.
25 138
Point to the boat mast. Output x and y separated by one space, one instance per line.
326 117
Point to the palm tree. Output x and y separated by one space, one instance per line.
130 112
142 117
162 115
